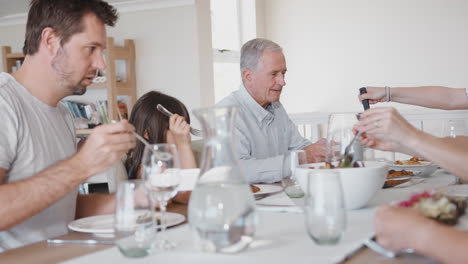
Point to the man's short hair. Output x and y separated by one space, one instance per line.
65 17
253 49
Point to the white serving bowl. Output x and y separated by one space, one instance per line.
359 184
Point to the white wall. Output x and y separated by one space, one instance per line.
167 51
12 36
333 47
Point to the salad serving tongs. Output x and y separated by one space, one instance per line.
348 157
193 131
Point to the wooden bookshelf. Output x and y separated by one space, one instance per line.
114 86
9 59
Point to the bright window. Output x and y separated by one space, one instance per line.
230 29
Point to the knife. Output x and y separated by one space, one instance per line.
372 244
80 241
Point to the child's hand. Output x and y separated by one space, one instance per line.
179 129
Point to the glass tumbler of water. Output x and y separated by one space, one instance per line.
324 208
134 220
290 184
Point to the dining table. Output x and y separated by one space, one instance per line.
280 237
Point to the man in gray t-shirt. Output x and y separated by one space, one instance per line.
39 167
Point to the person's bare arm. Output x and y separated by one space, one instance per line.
94 204
446 244
449 153
428 96
23 199
386 129
399 228
180 132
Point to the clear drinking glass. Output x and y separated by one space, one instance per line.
134 224
324 208
161 171
339 135
290 184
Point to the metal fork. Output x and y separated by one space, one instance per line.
195 132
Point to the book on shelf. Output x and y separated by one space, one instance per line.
96 113
123 106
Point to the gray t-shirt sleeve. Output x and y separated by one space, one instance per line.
8 135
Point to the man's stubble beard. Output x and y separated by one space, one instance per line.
60 64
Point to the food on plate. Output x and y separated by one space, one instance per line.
395 173
439 207
412 161
254 188
399 173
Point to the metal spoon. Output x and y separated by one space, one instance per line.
348 157
162 109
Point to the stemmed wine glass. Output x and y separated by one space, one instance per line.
339 135
161 171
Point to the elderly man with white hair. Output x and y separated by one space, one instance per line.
264 134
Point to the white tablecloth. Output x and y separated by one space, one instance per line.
280 237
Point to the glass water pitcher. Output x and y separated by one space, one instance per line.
221 210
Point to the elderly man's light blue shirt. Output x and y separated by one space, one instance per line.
263 137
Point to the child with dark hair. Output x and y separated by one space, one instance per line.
157 128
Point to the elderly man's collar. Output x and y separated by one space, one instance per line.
263 116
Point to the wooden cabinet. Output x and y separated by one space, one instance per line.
10 59
115 85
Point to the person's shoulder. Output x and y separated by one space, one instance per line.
7 89
5 81
229 100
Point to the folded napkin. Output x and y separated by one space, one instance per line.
188 179
279 202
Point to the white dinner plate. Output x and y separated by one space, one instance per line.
426 168
423 165
104 223
267 188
